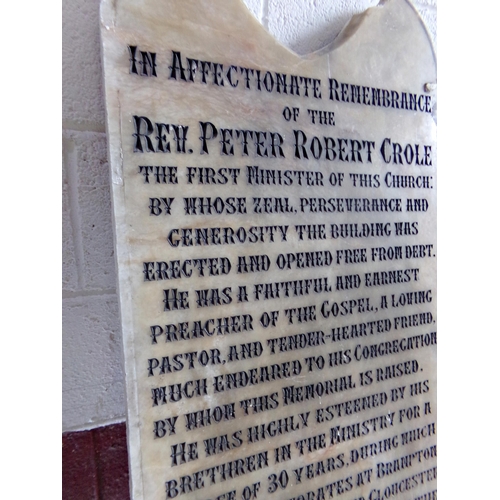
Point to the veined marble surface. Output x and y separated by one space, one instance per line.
275 227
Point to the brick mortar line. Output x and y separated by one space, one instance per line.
75 127
71 162
67 294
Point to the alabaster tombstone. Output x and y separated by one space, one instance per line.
275 226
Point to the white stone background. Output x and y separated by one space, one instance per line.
93 378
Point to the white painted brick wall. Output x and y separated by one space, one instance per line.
82 96
93 380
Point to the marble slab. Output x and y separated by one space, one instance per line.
275 227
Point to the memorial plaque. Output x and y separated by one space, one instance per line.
275 225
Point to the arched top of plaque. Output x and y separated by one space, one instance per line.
388 42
